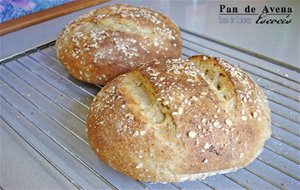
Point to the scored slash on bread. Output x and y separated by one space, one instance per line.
107 42
177 120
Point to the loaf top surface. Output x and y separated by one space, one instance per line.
179 120
113 40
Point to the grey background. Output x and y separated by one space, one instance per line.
277 41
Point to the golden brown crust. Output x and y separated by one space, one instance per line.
114 40
179 120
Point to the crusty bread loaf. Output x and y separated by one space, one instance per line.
113 40
179 120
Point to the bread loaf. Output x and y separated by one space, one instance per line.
179 120
114 40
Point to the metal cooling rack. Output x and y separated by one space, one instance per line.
46 108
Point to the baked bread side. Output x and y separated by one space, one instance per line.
179 120
113 40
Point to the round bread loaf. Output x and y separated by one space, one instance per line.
113 40
179 120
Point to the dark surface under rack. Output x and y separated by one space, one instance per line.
45 108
